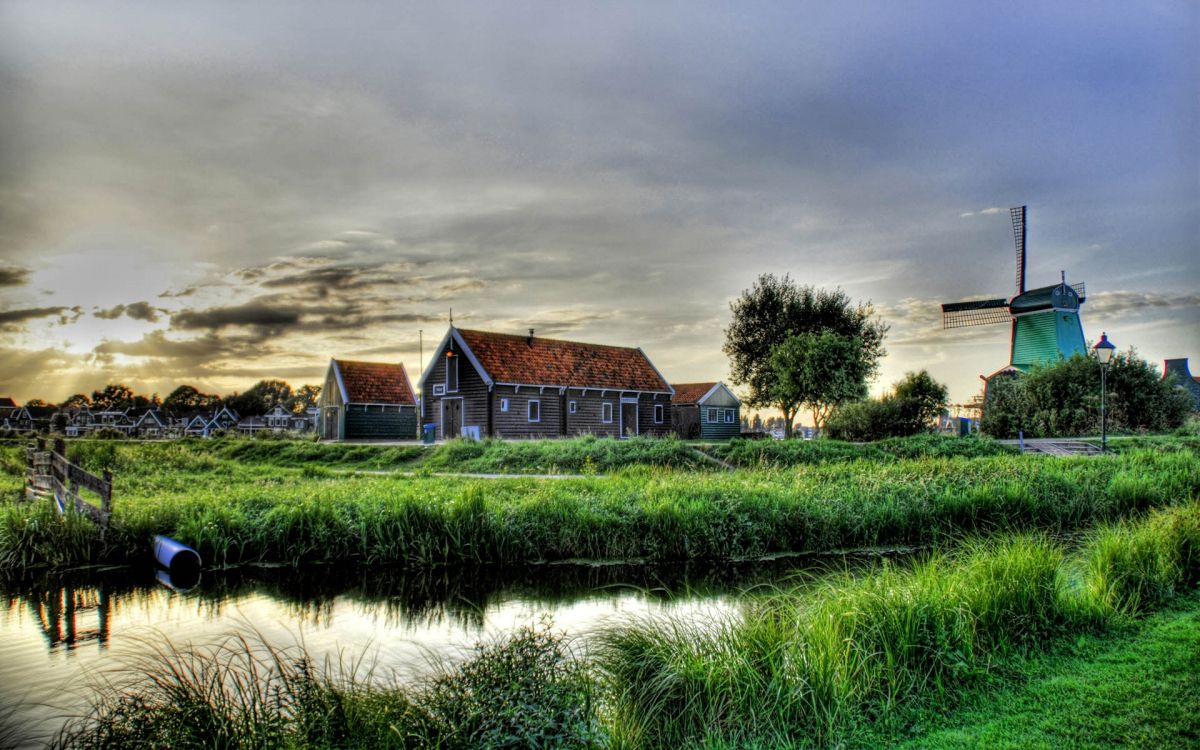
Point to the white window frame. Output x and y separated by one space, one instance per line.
729 416
573 407
606 412
658 414
439 389
452 361
529 410
503 404
712 415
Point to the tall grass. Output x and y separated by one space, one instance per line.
786 453
795 671
260 513
802 668
526 691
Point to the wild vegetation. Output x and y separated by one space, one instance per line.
848 660
235 511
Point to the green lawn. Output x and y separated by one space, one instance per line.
1138 688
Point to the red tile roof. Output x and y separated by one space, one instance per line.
512 359
690 393
375 383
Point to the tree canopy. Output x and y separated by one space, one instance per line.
189 398
776 309
819 371
911 408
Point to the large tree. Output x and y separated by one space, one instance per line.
190 398
305 398
819 371
777 308
260 398
114 396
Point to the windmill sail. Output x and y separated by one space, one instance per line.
1018 223
977 313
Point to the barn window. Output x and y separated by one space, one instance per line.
574 406
535 410
712 415
606 412
658 413
503 404
452 374
729 416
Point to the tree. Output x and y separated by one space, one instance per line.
37 403
114 396
76 401
819 371
920 399
911 407
260 398
776 309
1063 399
189 398
305 398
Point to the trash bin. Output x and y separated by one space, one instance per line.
428 434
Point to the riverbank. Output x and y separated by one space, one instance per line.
865 660
236 512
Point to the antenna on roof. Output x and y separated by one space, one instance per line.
529 341
452 316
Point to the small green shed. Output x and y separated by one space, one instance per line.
708 411
367 401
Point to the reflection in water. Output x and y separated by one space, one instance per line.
408 622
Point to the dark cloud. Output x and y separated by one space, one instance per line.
1118 302
136 310
13 276
14 320
266 317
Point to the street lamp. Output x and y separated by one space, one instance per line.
1104 352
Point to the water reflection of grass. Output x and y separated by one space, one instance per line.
793 671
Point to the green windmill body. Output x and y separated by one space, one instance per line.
1045 321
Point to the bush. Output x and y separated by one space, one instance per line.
911 408
1063 399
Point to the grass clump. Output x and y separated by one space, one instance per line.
787 453
525 691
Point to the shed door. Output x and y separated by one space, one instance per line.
451 417
329 423
629 418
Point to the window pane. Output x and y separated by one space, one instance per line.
452 374
535 411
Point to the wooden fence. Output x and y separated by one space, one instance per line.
51 475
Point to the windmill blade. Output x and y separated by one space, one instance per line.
978 313
1018 223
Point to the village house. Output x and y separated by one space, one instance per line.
367 401
495 384
708 411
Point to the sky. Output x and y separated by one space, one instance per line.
214 193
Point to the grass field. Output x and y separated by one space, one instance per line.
235 509
1015 641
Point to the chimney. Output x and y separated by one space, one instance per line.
530 339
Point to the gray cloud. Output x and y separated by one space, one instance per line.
136 310
14 320
13 276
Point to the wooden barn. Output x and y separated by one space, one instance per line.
708 411
367 401
501 385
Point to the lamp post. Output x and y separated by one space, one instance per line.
1104 352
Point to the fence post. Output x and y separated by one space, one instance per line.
106 498
60 447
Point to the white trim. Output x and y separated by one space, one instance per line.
453 332
439 389
457 374
337 371
504 404
603 404
729 415
637 415
658 413
572 406
670 389
529 418
713 415
578 388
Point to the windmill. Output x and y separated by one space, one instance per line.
1045 321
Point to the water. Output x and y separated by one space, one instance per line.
59 633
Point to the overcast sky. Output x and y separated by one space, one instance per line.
213 193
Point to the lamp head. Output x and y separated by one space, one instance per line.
1104 350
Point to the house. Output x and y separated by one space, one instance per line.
708 411
148 423
1183 378
7 402
367 401
496 384
277 420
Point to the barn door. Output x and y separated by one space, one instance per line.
629 418
451 417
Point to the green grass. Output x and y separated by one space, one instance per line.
234 512
1132 688
1014 642
786 453
811 669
